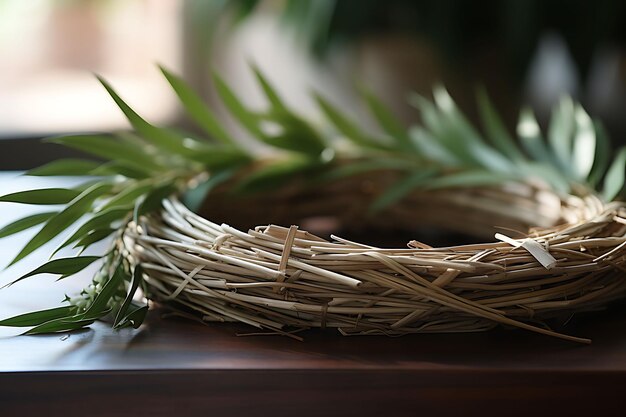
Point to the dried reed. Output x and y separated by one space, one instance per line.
278 278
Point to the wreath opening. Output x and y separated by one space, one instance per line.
350 204
218 230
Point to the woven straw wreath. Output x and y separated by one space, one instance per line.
284 278
548 208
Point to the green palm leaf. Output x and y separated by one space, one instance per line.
196 108
63 266
70 167
25 223
495 129
110 148
386 119
43 196
246 118
614 180
270 93
161 138
65 218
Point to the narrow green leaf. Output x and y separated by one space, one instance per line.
241 10
460 134
99 220
44 196
561 132
356 168
496 132
530 136
433 149
470 179
437 137
548 174
153 199
134 318
134 285
295 135
387 120
345 126
93 237
62 324
220 157
453 117
247 119
38 317
614 179
401 189
100 304
602 155
584 147
193 198
124 168
62 220
110 148
88 184
128 195
67 167
25 223
161 138
431 118
276 174
491 159
197 109
270 92
61 266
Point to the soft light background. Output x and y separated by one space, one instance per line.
523 52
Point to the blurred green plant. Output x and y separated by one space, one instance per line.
455 27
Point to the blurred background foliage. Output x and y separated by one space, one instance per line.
456 26
523 52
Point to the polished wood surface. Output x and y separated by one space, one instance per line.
171 363
176 367
175 344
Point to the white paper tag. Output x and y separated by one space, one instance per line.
533 247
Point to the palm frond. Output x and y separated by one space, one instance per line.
142 168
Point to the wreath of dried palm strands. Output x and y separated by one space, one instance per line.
442 172
280 279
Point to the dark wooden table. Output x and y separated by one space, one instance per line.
174 367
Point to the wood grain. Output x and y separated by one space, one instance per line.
170 363
172 367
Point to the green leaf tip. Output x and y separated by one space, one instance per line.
37 318
25 223
236 108
270 92
162 138
61 266
43 196
65 218
196 108
64 167
614 179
